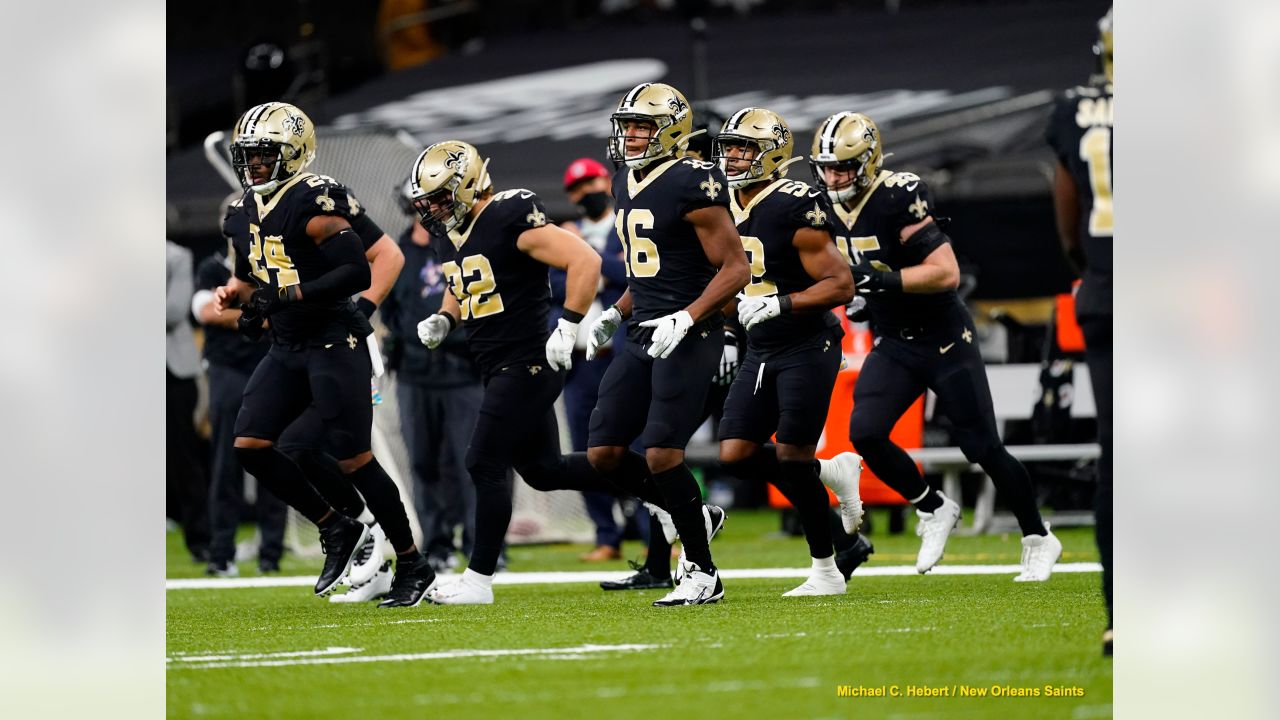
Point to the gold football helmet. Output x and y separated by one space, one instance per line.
847 142
1104 46
274 134
449 176
761 129
661 105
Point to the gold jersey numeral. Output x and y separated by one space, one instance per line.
271 250
1095 149
852 249
640 252
477 298
755 258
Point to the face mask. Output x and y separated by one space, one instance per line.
594 204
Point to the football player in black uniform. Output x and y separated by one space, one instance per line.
904 266
495 251
793 341
1080 134
298 267
684 263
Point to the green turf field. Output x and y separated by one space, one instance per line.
570 650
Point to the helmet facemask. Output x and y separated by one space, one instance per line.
755 171
858 169
243 154
618 140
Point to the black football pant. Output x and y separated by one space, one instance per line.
1097 341
226 477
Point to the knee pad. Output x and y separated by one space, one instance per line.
485 472
255 460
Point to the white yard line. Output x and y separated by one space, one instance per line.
252 661
593 576
227 657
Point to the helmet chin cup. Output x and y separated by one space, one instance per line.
843 194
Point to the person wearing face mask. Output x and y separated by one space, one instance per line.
587 185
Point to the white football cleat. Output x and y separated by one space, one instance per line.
1039 553
375 588
934 528
713 516
664 518
698 588
463 591
822 581
842 474
369 559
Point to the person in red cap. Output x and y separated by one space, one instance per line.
587 185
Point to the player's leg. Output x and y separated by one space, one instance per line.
965 398
886 388
276 394
680 384
1098 344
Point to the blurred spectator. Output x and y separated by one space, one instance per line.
587 185
184 474
230 358
439 396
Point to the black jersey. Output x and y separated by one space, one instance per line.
1080 134
871 232
767 226
504 294
666 266
273 250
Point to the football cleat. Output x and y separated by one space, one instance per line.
267 567
223 570
826 581
641 580
410 585
851 557
463 591
340 541
698 588
934 528
376 587
1039 553
842 473
370 557
713 516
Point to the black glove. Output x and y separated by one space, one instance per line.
870 281
266 301
250 324
856 310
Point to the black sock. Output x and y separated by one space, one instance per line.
493 514
896 469
322 471
799 483
659 561
839 538
408 559
383 496
284 479
684 503
761 466
574 472
1013 483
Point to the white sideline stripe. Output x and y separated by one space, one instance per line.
404 657
181 657
591 576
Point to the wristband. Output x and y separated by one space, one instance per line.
452 323
784 303
571 316
366 306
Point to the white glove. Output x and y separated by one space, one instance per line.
729 361
433 330
755 310
602 329
668 331
560 345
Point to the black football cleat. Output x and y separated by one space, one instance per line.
410 585
851 557
340 541
642 580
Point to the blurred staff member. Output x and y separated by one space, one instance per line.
439 395
230 358
184 472
587 185
1080 134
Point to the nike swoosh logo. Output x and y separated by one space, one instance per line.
943 350
912 186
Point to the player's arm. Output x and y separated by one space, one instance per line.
235 292
559 248
823 262
723 247
205 309
1066 211
624 303
940 271
385 261
341 246
449 306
